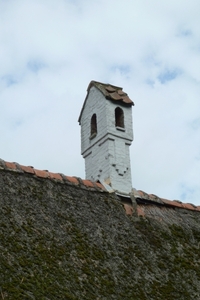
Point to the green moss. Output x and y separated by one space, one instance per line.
58 242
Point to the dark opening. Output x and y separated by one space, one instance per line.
93 126
119 117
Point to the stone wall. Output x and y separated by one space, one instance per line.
68 239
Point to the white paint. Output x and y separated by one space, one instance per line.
107 155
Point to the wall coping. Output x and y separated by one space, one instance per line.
140 196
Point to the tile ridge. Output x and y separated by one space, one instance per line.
151 198
91 185
45 174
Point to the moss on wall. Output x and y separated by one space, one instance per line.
61 242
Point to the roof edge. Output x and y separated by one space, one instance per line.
140 196
45 174
109 92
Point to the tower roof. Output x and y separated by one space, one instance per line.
111 92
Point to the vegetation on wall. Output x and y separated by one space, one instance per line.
63 242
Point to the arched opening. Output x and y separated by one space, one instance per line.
119 117
93 128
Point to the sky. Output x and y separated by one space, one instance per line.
51 49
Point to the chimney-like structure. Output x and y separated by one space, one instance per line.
106 134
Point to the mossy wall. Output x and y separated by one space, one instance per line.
60 241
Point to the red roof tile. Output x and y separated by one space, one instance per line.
87 183
126 99
188 206
175 203
55 176
72 179
172 203
140 211
111 92
121 93
98 186
128 209
115 96
45 174
40 173
27 169
110 89
143 195
10 165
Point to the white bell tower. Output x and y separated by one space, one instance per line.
106 134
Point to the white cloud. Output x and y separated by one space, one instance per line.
49 52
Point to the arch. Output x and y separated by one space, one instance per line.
119 117
93 127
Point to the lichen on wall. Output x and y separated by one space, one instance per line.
61 241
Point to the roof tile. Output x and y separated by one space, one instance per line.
172 203
100 186
87 182
140 211
110 89
55 176
188 206
128 209
177 203
115 96
10 165
121 93
27 169
46 174
72 179
126 99
143 194
40 173
110 92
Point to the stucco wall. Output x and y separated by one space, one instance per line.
107 155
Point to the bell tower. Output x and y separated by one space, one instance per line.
106 134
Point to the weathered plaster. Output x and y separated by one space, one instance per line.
107 155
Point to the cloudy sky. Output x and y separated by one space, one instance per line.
51 49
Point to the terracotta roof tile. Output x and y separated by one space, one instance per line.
188 206
140 211
87 183
110 89
143 195
72 180
55 176
40 173
27 169
100 185
10 165
161 201
177 203
172 203
115 96
126 99
128 209
15 167
111 92
121 93
155 198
